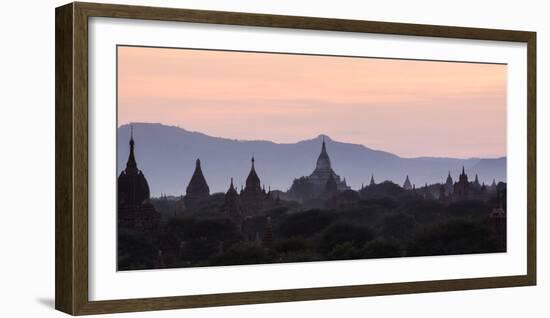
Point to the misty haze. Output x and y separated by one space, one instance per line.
168 156
236 158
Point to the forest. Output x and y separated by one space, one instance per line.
381 221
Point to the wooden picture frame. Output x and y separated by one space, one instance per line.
71 90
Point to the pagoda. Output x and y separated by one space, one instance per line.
197 189
407 184
134 209
232 205
253 196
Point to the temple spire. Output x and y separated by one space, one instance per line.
197 187
253 181
476 181
131 165
231 204
323 162
463 177
449 180
133 188
407 184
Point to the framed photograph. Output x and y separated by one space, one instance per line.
218 158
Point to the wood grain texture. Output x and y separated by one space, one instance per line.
72 157
532 158
165 303
64 235
80 146
297 22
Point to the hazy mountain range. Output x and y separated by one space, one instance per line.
167 154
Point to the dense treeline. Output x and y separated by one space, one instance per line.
384 222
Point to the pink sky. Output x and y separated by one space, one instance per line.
410 108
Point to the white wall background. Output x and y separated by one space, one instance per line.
27 158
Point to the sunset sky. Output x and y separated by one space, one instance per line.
410 108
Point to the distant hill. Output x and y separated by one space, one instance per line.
167 154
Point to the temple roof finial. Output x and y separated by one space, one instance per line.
253 181
131 135
131 165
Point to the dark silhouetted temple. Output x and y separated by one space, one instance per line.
134 209
323 173
462 188
253 196
407 184
245 209
321 182
232 204
197 189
